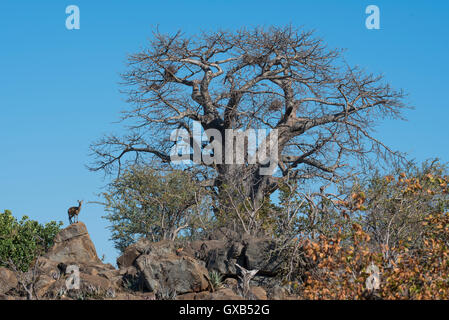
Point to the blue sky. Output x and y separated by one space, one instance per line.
59 89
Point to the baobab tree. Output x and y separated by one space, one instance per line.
281 79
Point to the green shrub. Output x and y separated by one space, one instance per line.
155 204
22 241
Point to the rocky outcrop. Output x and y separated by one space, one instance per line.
163 266
251 253
73 249
50 274
8 280
150 270
73 245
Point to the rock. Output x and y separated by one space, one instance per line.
132 279
132 252
201 249
6 297
8 280
147 295
73 245
96 283
42 285
56 290
217 260
49 268
127 296
163 269
222 254
135 296
91 287
224 259
204 295
259 255
218 255
128 257
224 294
259 293
187 296
110 274
180 275
278 293
230 283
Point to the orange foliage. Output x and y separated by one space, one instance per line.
340 272
340 263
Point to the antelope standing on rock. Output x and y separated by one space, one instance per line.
75 211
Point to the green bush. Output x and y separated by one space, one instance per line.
22 241
155 204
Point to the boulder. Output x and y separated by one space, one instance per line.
163 268
132 252
73 245
259 255
218 260
43 283
250 252
97 283
259 293
132 279
48 267
200 249
230 283
8 280
223 259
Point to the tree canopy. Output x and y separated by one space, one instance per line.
281 79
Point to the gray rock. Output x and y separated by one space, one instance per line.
164 269
250 252
131 253
223 259
259 255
